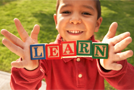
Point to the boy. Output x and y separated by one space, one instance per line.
74 21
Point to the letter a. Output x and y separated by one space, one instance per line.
68 50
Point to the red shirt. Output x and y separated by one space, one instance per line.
79 73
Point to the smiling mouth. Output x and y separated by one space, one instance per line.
75 32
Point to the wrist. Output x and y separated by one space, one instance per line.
35 65
103 69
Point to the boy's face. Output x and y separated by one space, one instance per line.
77 19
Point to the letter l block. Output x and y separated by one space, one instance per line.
37 51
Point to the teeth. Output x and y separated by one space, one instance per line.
75 32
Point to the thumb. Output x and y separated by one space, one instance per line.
35 32
116 66
17 64
112 30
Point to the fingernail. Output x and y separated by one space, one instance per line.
36 24
15 18
2 31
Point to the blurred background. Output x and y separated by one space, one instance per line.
31 12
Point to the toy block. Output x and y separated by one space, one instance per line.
68 49
84 48
100 50
53 51
37 51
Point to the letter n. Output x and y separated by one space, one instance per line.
100 50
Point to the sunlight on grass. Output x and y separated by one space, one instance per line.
106 11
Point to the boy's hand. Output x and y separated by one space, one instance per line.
22 47
116 45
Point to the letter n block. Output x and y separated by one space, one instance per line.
68 49
100 50
53 51
84 48
37 51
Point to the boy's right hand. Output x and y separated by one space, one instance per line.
22 47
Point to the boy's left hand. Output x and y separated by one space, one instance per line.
116 45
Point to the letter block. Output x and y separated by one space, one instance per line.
37 51
53 51
68 49
84 48
100 50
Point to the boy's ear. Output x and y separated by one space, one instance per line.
55 19
98 23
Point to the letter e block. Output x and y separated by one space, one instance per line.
100 50
37 51
68 49
84 48
53 51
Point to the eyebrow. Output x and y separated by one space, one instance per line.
89 7
67 5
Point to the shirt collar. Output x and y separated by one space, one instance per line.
59 40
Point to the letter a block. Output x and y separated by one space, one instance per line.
68 49
100 50
53 51
84 48
37 51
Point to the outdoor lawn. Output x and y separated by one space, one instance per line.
31 12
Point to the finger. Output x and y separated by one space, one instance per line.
12 47
17 64
120 37
123 55
115 66
122 44
12 38
23 34
112 30
35 32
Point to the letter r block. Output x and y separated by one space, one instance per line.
37 51
68 49
84 48
100 50
53 51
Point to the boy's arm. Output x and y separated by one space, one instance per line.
122 79
116 70
26 80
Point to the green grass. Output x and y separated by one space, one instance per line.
31 12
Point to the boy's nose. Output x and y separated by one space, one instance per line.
75 19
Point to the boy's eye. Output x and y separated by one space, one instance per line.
86 13
66 12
